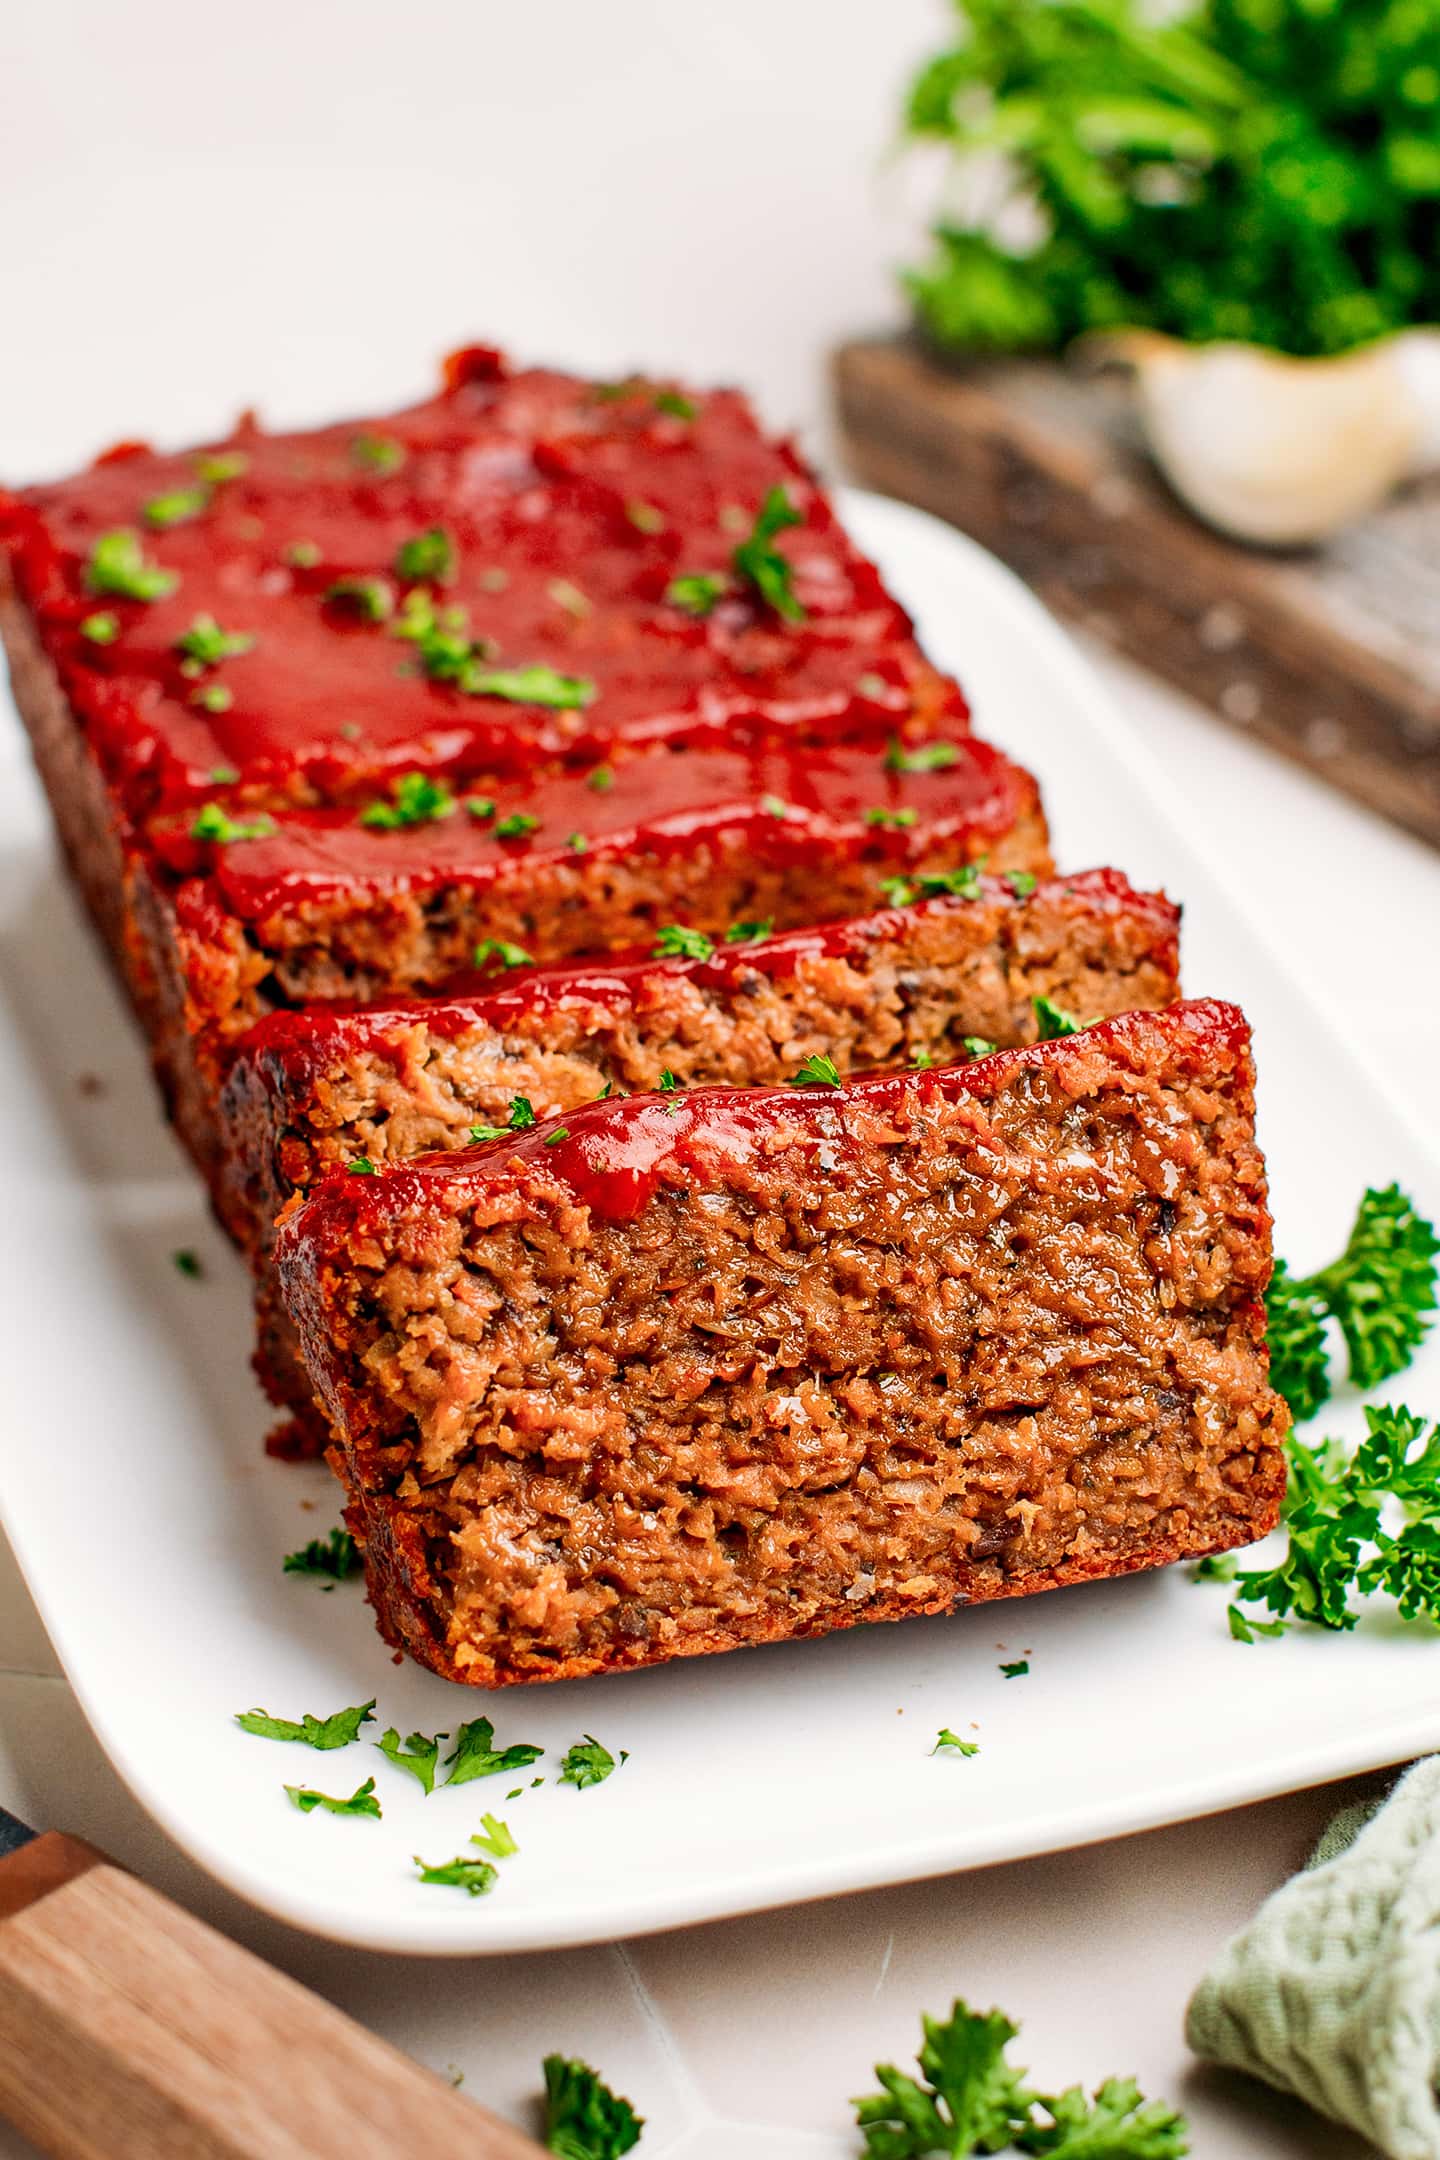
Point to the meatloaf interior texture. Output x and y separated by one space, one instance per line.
928 981
674 1374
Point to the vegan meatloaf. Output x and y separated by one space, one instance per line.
319 904
332 638
670 1375
923 981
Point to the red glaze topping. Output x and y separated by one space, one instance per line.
568 512
781 806
306 1041
613 1156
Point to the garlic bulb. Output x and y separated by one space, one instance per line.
1282 451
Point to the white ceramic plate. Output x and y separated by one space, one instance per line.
151 1528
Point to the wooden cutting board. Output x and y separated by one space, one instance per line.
1332 655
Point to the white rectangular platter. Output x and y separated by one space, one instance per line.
150 1526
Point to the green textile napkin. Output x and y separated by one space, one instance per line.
1333 1990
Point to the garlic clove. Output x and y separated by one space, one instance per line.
1280 451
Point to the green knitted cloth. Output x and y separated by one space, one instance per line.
1333 1990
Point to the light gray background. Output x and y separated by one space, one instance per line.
301 206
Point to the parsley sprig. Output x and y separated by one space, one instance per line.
417 1754
584 2119
1379 1293
475 1754
969 2098
1340 1543
336 1731
760 563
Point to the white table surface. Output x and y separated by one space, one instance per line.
302 209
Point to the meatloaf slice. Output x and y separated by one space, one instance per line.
916 983
675 1374
321 904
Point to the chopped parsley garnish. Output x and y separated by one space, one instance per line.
1014 1672
214 823
186 1262
502 953
361 1166
336 1731
1380 1294
925 757
667 1084
213 697
117 565
898 891
378 453
950 1743
474 1877
568 596
522 1117
417 1754
588 1763
696 593
969 2099
817 1071
475 1754
922 1061
645 517
774 806
429 557
584 2119
301 554
1053 1021
674 941
176 508
533 686
577 843
218 466
761 563
494 1837
517 825
675 404
361 1802
371 597
417 800
977 1045
1215 1567
1021 882
223 775
1338 1540
561 1132
890 820
961 884
601 780
205 644
746 933
336 1555
480 806
102 628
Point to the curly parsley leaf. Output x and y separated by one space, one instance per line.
336 1555
1380 1293
967 2099
1337 1543
475 1754
1053 1021
760 562
417 1754
588 1763
584 2119
336 1731
494 1837
361 1802
1117 2124
117 565
474 1877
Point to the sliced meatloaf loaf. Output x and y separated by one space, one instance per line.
925 981
669 1375
318 904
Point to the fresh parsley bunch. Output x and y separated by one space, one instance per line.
1257 169
970 2099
